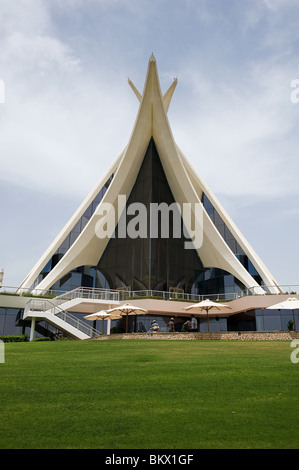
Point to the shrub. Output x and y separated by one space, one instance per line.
115 329
14 338
290 325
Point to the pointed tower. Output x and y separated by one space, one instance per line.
151 171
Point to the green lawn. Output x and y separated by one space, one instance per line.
149 394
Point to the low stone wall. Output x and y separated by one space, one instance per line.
225 335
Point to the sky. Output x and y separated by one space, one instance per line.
67 112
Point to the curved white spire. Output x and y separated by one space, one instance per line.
186 186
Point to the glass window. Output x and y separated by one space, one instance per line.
9 324
151 263
75 232
230 240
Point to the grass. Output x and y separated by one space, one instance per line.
147 394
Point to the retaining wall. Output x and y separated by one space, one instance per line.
225 335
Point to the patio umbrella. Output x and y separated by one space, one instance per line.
206 305
292 303
127 310
102 315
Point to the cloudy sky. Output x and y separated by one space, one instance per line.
69 111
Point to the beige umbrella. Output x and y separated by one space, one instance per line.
127 310
292 303
102 315
206 305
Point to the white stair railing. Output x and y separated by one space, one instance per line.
87 293
45 306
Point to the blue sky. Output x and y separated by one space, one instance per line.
69 111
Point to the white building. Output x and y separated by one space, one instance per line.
151 170
151 228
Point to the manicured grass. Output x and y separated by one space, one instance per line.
149 394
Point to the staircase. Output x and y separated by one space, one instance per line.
57 311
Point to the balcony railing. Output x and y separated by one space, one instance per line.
119 295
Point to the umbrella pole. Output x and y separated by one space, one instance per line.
127 323
208 319
135 324
103 326
294 320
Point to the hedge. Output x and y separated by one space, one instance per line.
14 338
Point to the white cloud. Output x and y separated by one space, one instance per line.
69 111
25 16
58 125
278 4
239 128
37 55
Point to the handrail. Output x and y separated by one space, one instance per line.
44 305
89 293
183 295
116 295
27 292
77 323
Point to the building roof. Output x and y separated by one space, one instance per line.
243 304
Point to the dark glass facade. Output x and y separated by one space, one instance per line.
84 275
276 320
217 280
9 322
150 263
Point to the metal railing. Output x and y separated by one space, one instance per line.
117 295
30 292
165 295
89 293
288 289
43 306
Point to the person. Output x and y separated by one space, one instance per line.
154 327
187 325
193 323
171 325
